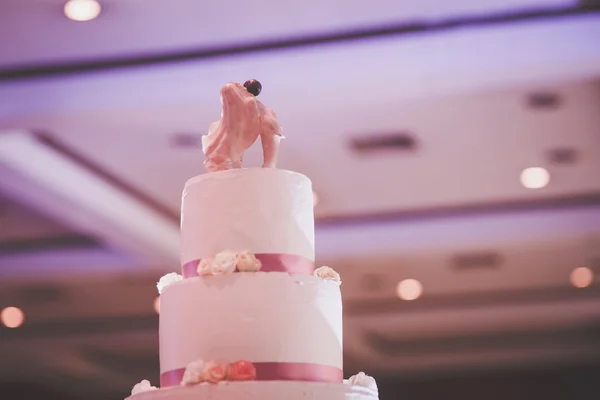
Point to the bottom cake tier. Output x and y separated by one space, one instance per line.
273 390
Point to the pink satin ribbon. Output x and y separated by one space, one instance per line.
271 262
274 371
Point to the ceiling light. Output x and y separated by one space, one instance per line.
582 277
535 177
409 289
12 317
82 10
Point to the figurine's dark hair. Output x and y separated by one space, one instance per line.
253 86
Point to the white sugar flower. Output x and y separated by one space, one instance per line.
364 380
224 263
247 262
194 373
143 386
328 273
167 280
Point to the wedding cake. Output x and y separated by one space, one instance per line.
250 317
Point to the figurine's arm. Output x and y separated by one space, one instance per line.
270 136
270 145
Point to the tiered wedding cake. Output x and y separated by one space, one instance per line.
250 317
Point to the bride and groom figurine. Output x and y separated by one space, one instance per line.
243 120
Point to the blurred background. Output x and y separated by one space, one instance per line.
454 149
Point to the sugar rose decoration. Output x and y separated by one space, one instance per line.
247 262
143 386
328 273
217 371
364 380
193 374
205 267
167 280
242 371
224 263
227 262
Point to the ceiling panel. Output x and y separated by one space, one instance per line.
20 223
471 151
136 27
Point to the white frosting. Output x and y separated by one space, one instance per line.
259 317
275 390
364 380
143 386
166 280
260 210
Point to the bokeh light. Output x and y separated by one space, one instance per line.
315 199
12 317
82 10
582 277
409 289
157 304
535 177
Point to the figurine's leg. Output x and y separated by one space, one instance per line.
270 145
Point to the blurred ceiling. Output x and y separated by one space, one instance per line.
143 27
414 138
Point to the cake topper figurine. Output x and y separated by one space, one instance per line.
253 86
243 120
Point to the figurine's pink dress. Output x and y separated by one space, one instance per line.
243 119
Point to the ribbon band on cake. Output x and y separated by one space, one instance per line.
274 371
271 262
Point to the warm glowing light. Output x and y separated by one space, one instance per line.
315 199
157 304
535 177
12 317
582 277
409 289
82 10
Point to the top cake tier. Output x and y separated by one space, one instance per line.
265 211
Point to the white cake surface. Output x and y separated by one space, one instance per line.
261 317
275 390
260 210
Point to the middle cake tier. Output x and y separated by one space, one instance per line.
289 326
